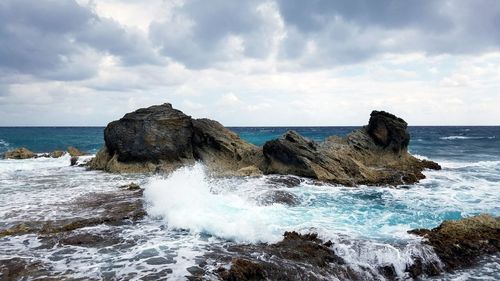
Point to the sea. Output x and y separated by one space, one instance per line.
189 211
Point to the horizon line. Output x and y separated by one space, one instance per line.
242 126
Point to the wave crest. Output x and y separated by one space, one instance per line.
185 200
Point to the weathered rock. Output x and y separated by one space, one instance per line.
20 153
73 160
376 158
285 181
162 139
459 243
18 268
388 131
279 196
296 257
151 134
221 149
100 208
131 186
56 154
74 152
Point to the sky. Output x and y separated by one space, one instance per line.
250 62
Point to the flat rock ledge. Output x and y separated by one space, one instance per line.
460 243
161 139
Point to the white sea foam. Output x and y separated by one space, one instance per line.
465 138
420 156
185 201
4 143
367 224
477 164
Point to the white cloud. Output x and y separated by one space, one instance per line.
252 62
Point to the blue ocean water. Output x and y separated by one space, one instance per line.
475 143
368 224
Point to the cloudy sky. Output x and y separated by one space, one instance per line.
255 62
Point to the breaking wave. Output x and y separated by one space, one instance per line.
186 200
465 138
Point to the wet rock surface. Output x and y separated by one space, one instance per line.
299 257
19 153
56 154
20 268
97 222
296 257
460 243
280 197
161 138
97 208
74 152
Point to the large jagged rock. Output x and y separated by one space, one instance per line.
151 134
375 154
388 131
161 138
459 243
20 153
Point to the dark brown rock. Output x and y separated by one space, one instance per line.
73 160
244 270
151 134
297 153
388 131
56 154
100 208
279 196
162 139
131 186
74 152
18 268
19 153
296 257
460 243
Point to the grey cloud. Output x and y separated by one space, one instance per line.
210 24
353 31
344 31
59 40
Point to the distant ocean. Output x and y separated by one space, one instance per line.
367 224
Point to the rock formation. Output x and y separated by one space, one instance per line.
74 152
460 243
161 138
19 153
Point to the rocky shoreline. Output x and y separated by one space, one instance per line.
160 139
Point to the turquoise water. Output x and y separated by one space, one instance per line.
457 143
368 224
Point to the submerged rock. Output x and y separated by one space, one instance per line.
279 196
459 243
161 138
100 208
20 153
74 152
73 160
19 268
56 154
305 257
131 186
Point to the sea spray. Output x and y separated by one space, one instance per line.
185 200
